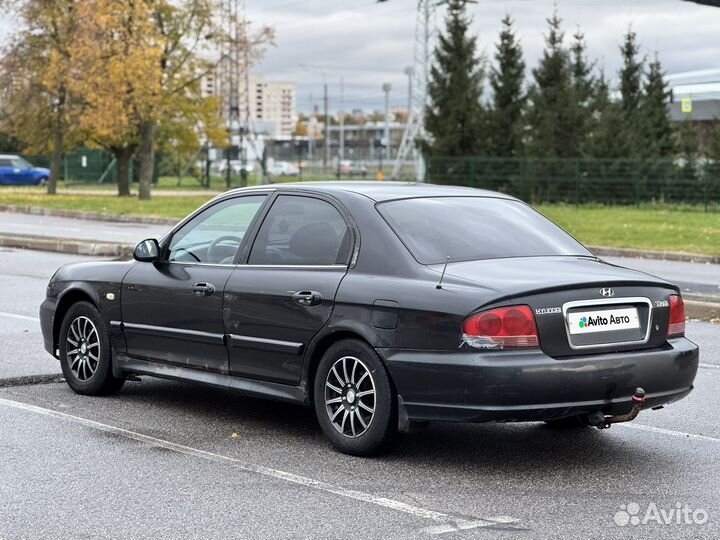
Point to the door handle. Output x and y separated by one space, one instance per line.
307 298
203 289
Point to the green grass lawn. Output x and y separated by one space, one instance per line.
166 207
655 228
650 227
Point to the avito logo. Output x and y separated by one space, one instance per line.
599 320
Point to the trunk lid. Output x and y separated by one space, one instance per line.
582 305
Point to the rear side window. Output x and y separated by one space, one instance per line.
471 228
301 231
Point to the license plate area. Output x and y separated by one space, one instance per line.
602 323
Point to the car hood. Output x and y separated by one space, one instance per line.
529 275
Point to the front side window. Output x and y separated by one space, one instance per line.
471 228
214 236
301 231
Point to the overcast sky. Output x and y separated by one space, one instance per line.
367 43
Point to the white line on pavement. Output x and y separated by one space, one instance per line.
17 316
672 433
446 522
709 366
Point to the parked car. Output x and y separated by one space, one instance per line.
17 171
236 166
284 168
353 168
378 304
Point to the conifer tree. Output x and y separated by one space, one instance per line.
507 80
583 89
455 115
655 123
549 113
631 75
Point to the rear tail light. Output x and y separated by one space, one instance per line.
502 328
676 328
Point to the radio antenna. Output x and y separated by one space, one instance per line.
439 285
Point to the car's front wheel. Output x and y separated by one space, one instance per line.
43 180
85 356
355 403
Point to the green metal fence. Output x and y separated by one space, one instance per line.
581 181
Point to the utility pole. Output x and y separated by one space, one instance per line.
386 87
415 133
326 156
341 151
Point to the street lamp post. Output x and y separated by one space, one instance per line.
386 88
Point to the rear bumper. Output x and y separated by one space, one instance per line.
47 319
531 386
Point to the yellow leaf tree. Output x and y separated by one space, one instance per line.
116 65
35 69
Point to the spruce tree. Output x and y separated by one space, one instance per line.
631 74
603 141
506 79
656 128
549 113
583 89
455 115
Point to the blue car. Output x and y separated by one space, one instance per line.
17 171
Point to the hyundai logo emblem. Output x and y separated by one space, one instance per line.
607 291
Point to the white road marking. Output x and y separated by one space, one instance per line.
709 366
18 316
446 522
672 433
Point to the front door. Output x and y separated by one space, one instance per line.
172 309
279 300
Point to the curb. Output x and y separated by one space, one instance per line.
696 309
94 216
66 245
603 251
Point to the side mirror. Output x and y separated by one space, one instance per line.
147 251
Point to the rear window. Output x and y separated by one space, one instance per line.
471 228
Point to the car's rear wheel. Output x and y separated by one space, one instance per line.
43 180
355 403
85 356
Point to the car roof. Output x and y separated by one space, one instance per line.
383 191
6 156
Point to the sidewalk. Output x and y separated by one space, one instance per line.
75 236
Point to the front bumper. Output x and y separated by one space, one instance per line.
47 322
531 386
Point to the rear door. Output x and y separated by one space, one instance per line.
285 293
172 309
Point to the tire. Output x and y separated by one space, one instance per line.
571 422
83 325
42 181
348 423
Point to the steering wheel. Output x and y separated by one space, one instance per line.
211 255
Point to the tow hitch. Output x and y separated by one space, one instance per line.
601 421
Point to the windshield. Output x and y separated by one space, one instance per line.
471 228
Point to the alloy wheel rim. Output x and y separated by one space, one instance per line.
83 348
350 396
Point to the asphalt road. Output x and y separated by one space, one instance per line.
173 460
63 227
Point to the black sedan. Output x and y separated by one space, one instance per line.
381 305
